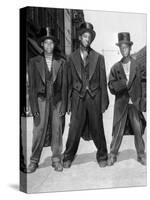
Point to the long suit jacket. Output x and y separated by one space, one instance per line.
37 84
122 92
97 81
37 81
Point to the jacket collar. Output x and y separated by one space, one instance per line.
55 69
132 71
41 66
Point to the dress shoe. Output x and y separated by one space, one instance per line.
67 164
111 160
32 167
103 163
142 160
57 166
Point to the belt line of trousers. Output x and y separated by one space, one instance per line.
81 109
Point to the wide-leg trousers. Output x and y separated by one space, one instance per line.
136 124
86 110
39 132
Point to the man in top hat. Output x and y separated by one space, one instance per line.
87 97
47 99
126 82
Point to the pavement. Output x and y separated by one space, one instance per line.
84 173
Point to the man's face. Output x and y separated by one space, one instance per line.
125 49
48 46
85 39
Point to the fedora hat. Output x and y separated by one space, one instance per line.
46 33
87 27
124 38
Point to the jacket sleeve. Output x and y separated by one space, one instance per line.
103 84
64 88
69 84
116 84
143 85
32 88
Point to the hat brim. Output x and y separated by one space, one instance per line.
42 39
124 42
92 32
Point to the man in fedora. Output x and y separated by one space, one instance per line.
87 97
47 99
126 82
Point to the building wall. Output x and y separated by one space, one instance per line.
140 56
63 22
52 17
68 31
77 19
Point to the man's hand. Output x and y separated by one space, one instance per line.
61 114
37 119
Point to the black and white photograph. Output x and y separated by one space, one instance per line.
83 99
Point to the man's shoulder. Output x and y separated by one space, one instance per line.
134 61
116 65
36 58
61 60
74 53
97 53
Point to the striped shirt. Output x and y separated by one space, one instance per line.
49 62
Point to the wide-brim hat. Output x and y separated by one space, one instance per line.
46 33
124 38
87 27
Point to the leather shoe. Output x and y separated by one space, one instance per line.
142 160
111 160
32 167
67 164
103 163
57 166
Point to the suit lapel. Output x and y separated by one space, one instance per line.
41 64
76 58
92 61
56 66
121 70
93 57
132 72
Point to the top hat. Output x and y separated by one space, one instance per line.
124 38
46 33
87 27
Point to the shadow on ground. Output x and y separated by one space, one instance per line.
91 157
127 155
14 186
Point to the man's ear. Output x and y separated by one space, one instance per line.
79 37
42 44
130 47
